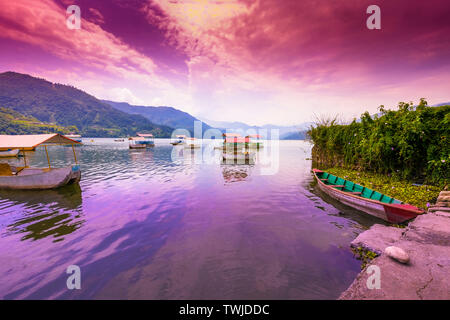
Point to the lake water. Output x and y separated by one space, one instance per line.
166 224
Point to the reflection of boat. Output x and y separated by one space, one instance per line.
64 217
365 199
179 139
192 143
235 173
75 137
142 141
36 178
9 153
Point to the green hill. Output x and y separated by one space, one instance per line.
65 106
12 122
167 116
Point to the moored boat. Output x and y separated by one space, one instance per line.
142 141
9 153
75 137
179 139
365 199
24 177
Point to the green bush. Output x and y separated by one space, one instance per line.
412 142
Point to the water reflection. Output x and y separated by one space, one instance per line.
44 213
235 172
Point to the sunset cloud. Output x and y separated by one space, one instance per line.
261 61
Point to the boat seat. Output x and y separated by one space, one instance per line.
338 186
324 179
5 169
353 192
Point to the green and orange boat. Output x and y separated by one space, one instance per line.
365 199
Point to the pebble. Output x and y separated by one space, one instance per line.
397 253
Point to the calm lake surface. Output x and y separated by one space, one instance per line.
166 224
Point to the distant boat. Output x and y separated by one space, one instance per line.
25 177
74 137
142 141
179 139
119 140
365 199
9 153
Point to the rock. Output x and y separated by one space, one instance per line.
444 193
377 238
397 253
433 209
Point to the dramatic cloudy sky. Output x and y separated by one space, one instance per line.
258 61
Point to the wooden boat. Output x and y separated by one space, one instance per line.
9 153
179 139
142 141
365 199
25 177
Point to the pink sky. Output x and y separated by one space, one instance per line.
257 61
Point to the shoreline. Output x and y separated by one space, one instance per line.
426 240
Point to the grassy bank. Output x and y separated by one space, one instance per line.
392 186
412 142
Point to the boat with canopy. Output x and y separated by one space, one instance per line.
365 199
142 141
179 139
25 177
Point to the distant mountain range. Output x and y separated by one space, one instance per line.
296 132
61 105
166 116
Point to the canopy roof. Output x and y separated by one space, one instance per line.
231 135
237 140
145 135
33 140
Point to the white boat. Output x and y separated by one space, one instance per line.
142 141
179 139
9 153
25 177
75 137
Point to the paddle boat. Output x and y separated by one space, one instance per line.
179 139
9 153
365 199
142 141
24 177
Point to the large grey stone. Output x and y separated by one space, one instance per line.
377 238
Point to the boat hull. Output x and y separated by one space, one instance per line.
9 153
40 179
393 213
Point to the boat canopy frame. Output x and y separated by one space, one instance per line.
31 141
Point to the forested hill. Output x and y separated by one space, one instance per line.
167 116
62 105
